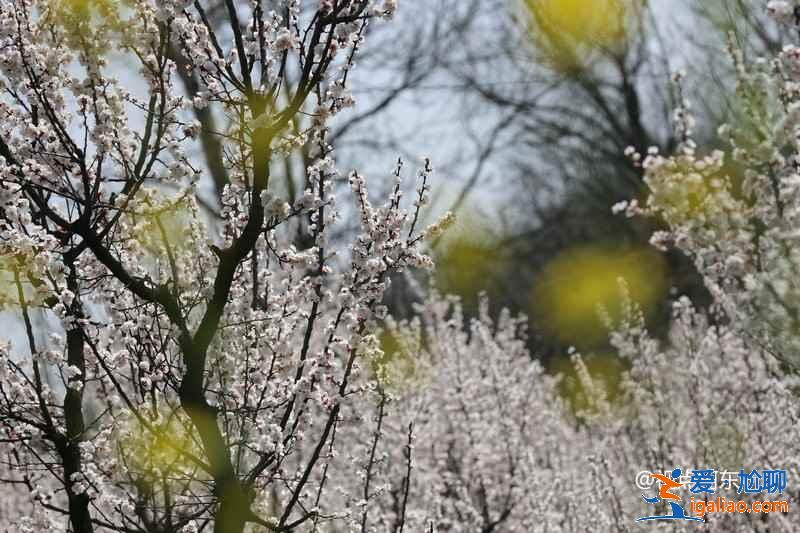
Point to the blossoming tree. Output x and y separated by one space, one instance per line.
180 373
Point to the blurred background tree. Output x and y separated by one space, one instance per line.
560 89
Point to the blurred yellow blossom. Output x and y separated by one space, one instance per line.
605 370
572 288
567 31
164 446
469 260
160 224
86 22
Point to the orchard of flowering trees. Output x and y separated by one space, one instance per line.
180 368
